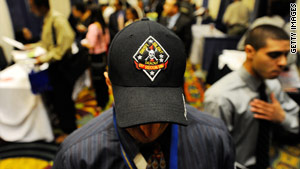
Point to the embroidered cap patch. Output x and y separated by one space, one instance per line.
151 58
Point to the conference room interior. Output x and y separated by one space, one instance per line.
29 131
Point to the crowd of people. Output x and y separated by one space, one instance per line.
91 28
141 57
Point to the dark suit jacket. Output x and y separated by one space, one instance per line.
204 144
182 29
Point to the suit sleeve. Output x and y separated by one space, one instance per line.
229 151
59 161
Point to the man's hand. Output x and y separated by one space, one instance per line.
28 47
81 28
27 33
38 61
268 111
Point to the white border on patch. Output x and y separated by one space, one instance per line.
151 78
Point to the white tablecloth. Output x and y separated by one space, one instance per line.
23 117
234 59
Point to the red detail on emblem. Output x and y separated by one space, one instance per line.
151 47
166 63
137 65
148 67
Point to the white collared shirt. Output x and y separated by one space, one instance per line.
172 20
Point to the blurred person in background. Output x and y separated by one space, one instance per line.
97 40
131 16
82 15
117 19
57 38
179 23
106 9
236 18
25 36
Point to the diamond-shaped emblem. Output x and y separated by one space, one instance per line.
151 58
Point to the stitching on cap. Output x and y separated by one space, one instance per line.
150 33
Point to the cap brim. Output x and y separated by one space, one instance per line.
144 105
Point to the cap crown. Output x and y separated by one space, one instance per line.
146 54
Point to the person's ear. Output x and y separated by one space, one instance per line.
250 51
108 82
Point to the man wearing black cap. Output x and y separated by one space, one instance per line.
149 126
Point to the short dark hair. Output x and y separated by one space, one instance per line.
177 3
257 36
80 6
134 12
41 3
96 16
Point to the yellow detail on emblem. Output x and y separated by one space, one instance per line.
144 48
151 63
157 47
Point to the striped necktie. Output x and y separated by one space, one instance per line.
157 159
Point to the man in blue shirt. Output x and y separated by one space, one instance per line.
149 126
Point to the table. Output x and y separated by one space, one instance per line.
23 117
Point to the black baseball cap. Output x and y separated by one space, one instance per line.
146 65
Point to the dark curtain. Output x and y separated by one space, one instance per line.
205 3
213 47
21 16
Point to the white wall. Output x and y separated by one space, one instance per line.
6 29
